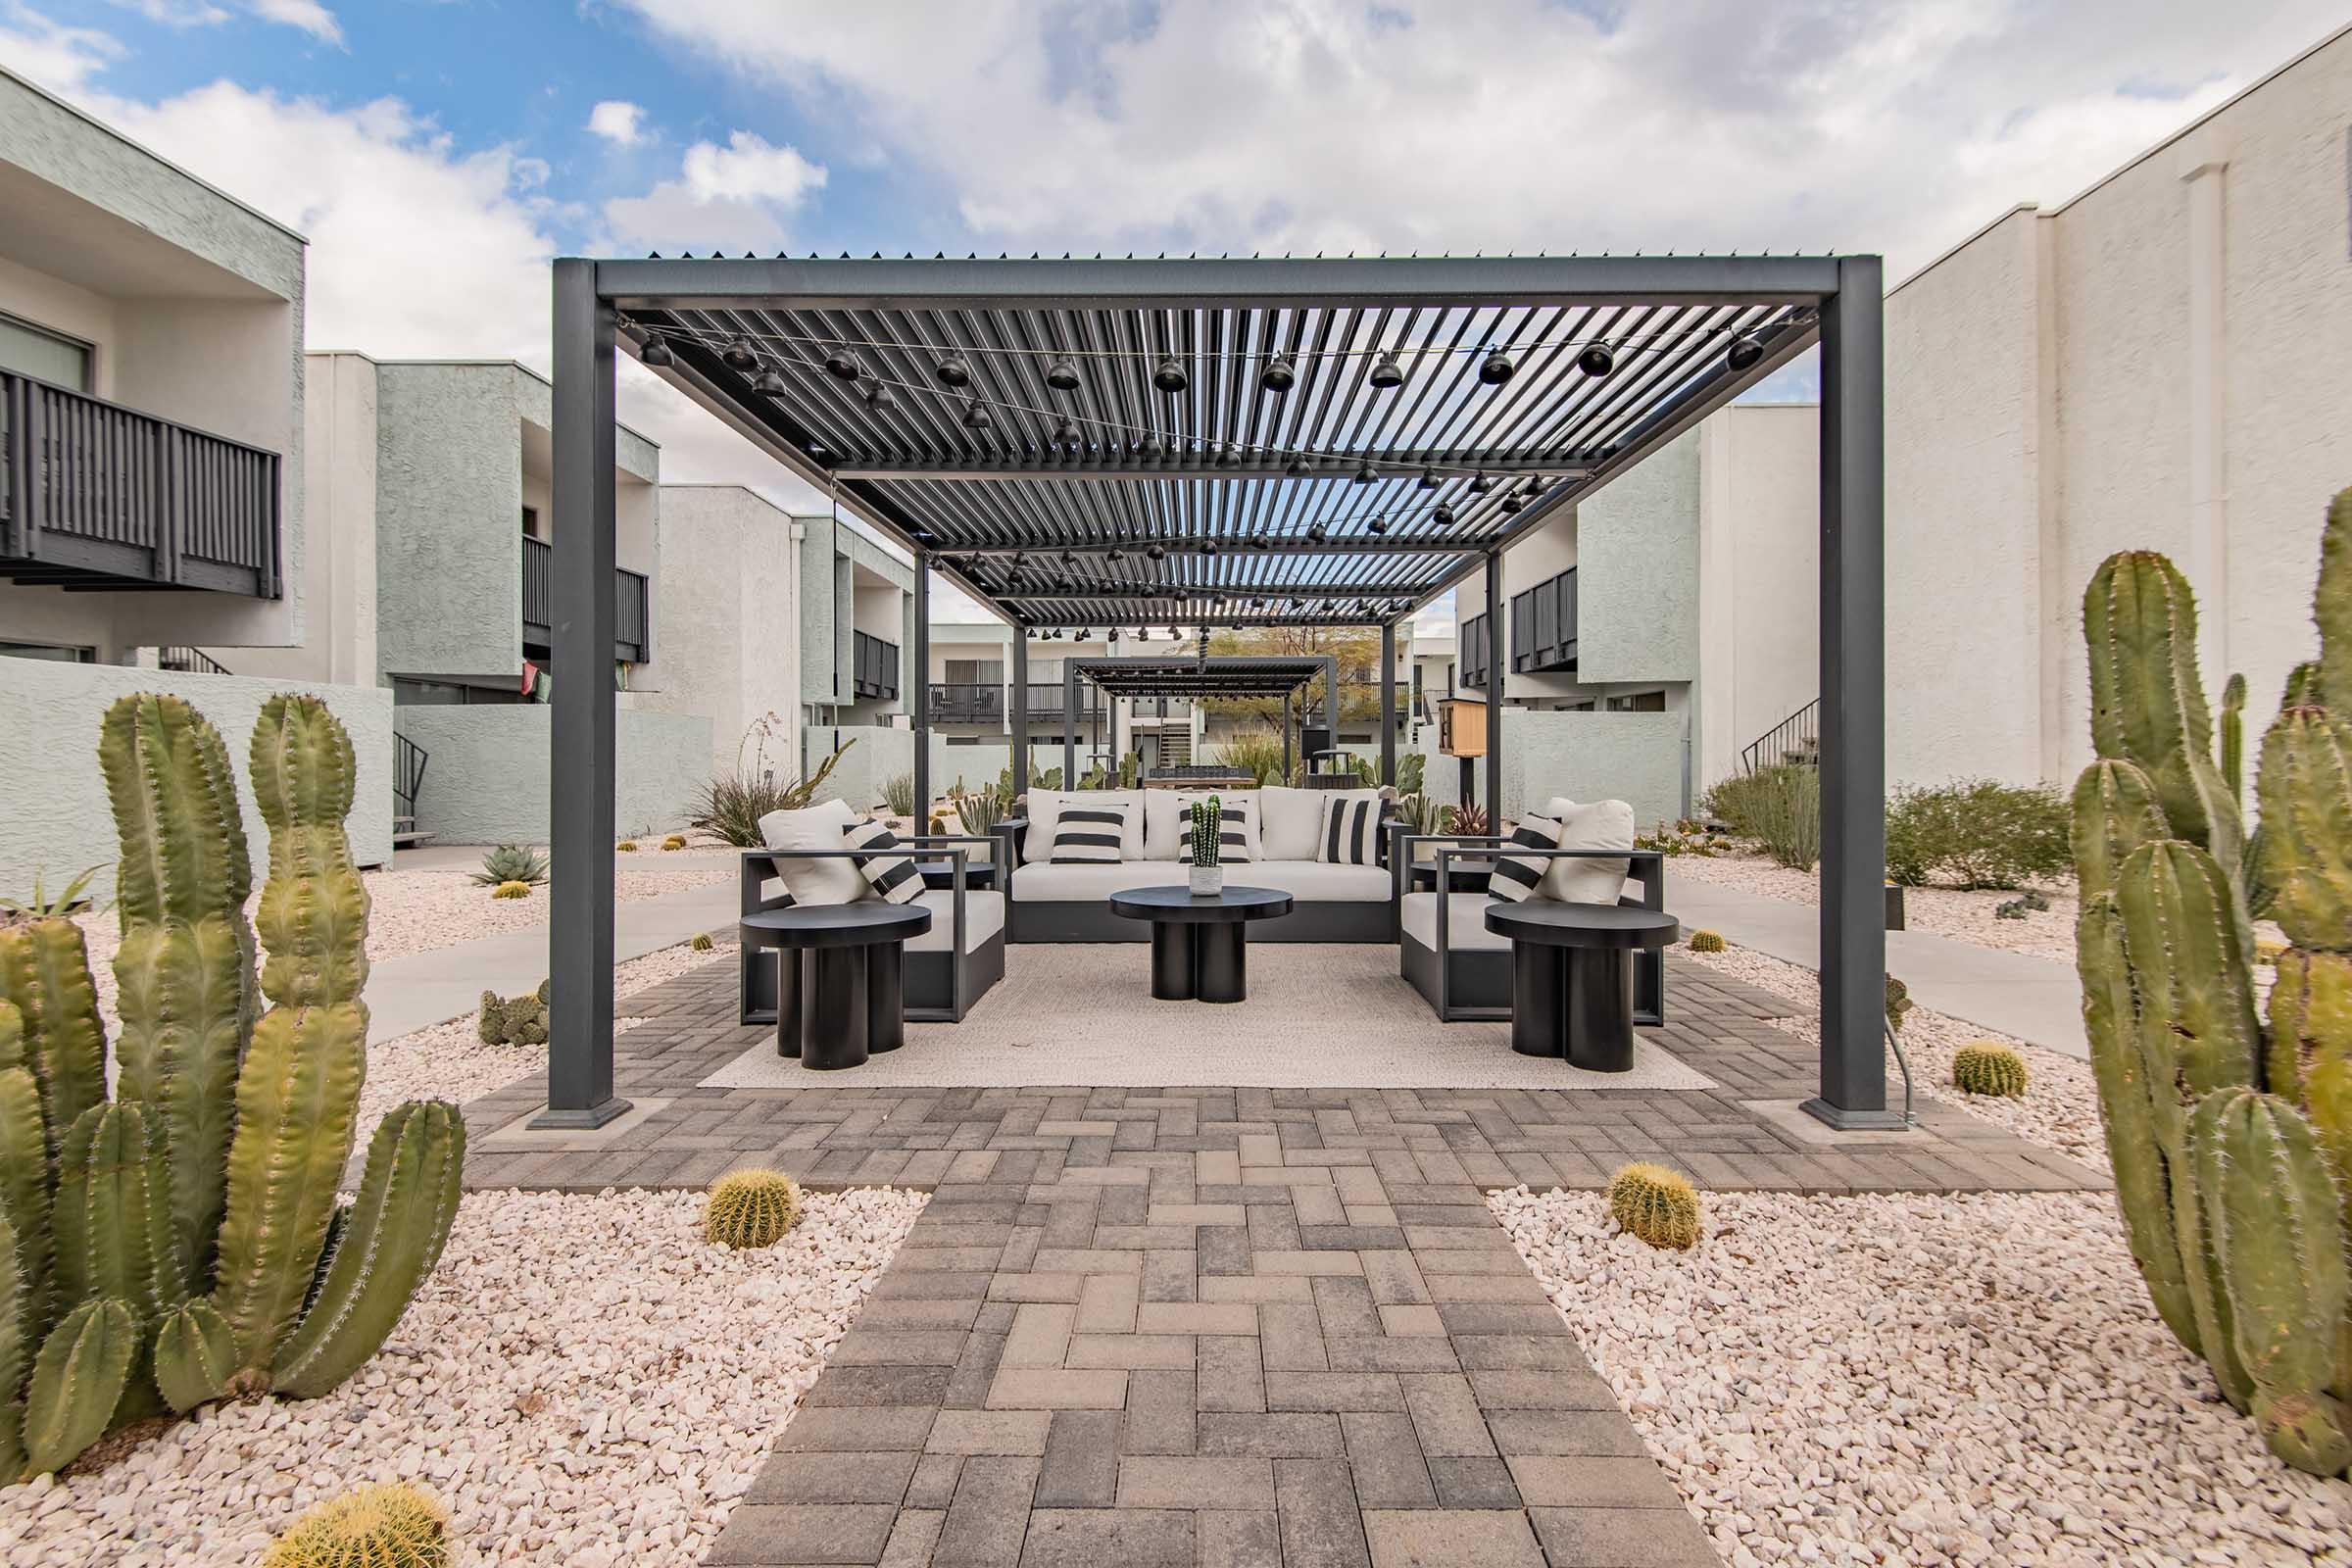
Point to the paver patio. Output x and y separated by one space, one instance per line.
1193 1325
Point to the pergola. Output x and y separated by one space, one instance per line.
1197 442
1220 675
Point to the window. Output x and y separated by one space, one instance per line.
975 672
49 653
1638 703
47 356
530 523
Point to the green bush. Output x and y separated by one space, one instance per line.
732 805
1256 753
898 793
1976 833
1779 807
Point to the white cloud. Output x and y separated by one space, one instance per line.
618 122
307 14
1498 125
739 194
60 58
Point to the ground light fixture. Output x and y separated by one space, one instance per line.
655 353
1746 349
1062 374
1278 376
842 366
1497 367
1387 374
1597 360
1170 377
739 356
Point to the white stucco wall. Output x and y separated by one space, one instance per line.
53 798
1636 572
486 773
193 305
729 641
1635 757
1758 615
878 755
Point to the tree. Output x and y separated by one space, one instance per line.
1356 649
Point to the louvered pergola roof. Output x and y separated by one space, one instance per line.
922 395
1220 675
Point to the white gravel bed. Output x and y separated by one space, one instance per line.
583 1381
2059 1110
420 911
1965 917
1922 1380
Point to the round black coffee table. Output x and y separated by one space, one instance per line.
1572 977
1198 947
841 972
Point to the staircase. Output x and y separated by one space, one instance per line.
408 777
1794 741
1176 745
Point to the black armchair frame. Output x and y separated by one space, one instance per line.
941 987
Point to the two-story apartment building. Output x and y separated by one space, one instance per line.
431 480
151 478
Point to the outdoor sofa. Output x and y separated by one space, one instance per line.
1463 970
949 968
1333 901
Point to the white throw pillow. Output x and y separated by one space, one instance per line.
1290 819
1045 808
1599 825
819 827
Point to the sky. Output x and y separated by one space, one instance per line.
437 152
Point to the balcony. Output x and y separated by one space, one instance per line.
1472 658
97 497
632 605
1544 625
875 672
964 702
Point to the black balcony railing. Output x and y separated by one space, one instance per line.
632 604
1544 625
875 671
967 703
94 494
1472 657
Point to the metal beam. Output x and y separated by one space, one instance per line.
1194 283
1188 590
1069 713
1388 703
1237 545
580 756
921 675
1340 466
1853 704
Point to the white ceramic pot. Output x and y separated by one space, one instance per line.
1208 880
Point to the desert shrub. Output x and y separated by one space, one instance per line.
731 806
512 862
1253 751
1976 833
1779 807
898 793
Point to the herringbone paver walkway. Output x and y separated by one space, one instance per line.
1212 1326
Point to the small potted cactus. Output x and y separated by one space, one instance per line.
1206 876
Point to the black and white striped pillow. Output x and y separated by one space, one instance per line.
1351 831
894 877
1514 877
1089 834
1233 833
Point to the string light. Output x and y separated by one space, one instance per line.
1062 374
1496 369
655 353
739 356
952 372
1387 374
842 366
1597 361
1746 350
1170 377
1278 376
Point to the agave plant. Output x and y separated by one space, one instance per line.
512 862
732 805
182 1241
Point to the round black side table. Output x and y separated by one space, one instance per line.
841 977
1198 951
1572 977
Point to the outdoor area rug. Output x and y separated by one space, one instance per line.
1317 1018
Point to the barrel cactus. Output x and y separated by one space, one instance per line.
751 1209
393 1526
184 1241
1985 1068
1706 942
1656 1205
2231 1137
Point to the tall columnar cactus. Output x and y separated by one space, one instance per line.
1208 831
184 1241
2232 1143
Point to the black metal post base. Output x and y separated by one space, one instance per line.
1855 1121
885 997
1174 976
584 1119
1600 1008
1221 964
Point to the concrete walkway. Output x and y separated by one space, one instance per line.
2035 1000
420 988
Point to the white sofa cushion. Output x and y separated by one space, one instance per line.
1465 921
1290 819
1045 809
1307 881
1167 826
983 917
1599 825
819 827
1091 832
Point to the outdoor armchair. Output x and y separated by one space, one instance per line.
948 969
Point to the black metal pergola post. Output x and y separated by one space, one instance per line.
921 677
1092 442
1019 668
1388 702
